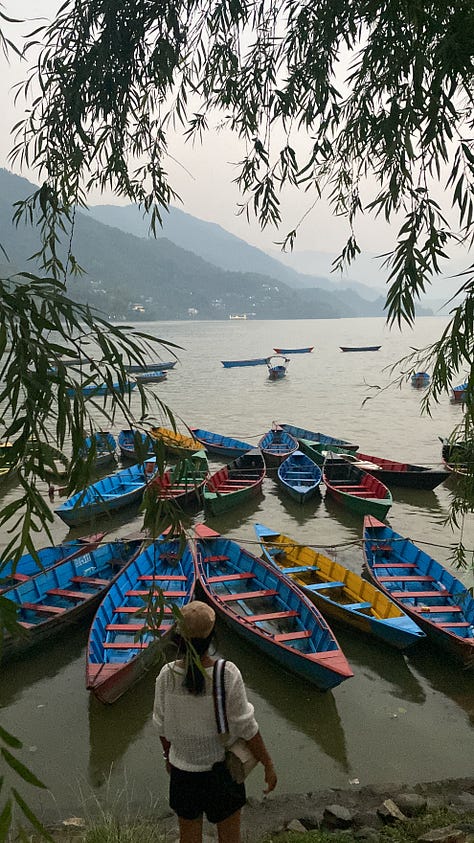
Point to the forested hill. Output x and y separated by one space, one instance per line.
129 277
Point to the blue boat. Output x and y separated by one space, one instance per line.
277 365
124 640
306 350
320 441
436 600
103 446
276 445
27 566
129 440
65 593
264 607
340 594
107 495
216 443
360 347
150 367
420 379
152 376
231 364
458 393
97 389
299 476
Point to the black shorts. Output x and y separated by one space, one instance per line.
212 792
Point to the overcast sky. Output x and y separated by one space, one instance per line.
203 174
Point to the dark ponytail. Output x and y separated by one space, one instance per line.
191 650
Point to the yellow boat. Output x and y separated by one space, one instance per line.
340 594
176 443
6 449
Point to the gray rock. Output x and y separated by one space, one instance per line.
296 825
465 800
448 834
337 816
411 804
310 823
389 812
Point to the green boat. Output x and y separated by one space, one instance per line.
356 489
184 482
316 452
236 483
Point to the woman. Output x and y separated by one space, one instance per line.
193 751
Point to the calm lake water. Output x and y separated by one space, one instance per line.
401 717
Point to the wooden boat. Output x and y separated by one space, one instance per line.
97 389
65 593
256 361
456 456
113 492
360 347
306 350
129 440
29 565
6 458
103 446
299 476
277 365
158 366
152 376
340 594
222 446
174 442
394 473
184 482
354 488
126 637
440 603
262 606
276 445
235 483
459 393
420 379
320 441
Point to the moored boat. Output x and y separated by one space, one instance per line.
93 390
439 602
360 347
267 610
319 441
277 365
235 483
102 445
113 492
340 594
354 488
459 393
394 473
151 367
222 446
232 364
457 456
184 482
64 593
307 350
135 444
151 376
126 637
420 379
299 476
30 565
276 445
174 442
6 458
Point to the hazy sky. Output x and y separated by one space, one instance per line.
202 174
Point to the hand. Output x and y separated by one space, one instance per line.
270 777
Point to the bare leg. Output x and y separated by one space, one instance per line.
229 830
190 831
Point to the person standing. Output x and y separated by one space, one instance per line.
184 714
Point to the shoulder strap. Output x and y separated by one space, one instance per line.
218 690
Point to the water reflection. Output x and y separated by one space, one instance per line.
445 676
417 498
300 513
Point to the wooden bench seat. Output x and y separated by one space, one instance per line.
90 581
292 636
299 569
320 585
272 616
458 624
437 610
42 607
22 577
388 564
433 593
248 595
131 610
414 578
125 645
245 575
213 559
133 627
162 577
357 606
69 595
139 593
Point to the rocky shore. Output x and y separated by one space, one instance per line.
359 811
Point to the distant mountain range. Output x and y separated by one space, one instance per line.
133 276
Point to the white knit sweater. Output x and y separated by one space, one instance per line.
188 722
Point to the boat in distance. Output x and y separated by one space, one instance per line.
151 376
98 389
64 593
420 379
151 367
439 602
299 476
360 347
320 441
276 445
113 492
457 455
14 572
126 635
459 393
277 365
306 350
339 593
130 440
267 610
256 361
354 488
394 473
222 446
102 444
235 483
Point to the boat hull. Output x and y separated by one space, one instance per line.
405 475
221 446
320 441
355 489
300 477
306 350
360 347
174 442
235 484
114 492
151 367
232 364
276 445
